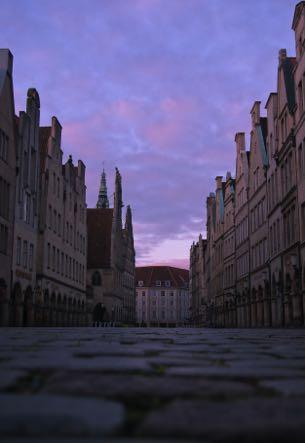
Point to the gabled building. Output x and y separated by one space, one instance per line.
23 297
242 244
217 257
259 252
275 218
229 259
7 181
111 258
197 284
297 267
62 235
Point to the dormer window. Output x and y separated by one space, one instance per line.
167 283
158 283
140 283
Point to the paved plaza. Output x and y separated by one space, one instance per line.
152 385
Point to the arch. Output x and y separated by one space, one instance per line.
3 303
70 313
96 279
28 309
59 310
53 309
99 313
15 306
288 309
74 314
254 308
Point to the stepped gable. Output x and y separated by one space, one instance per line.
44 135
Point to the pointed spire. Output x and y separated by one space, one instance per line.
103 201
118 203
128 220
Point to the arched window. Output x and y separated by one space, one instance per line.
96 279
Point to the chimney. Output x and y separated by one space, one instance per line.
240 141
218 180
255 113
282 56
56 130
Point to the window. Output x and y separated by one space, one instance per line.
50 216
25 254
18 251
31 256
27 208
143 293
3 146
96 279
300 97
167 283
57 261
158 283
3 238
48 255
4 198
53 258
162 293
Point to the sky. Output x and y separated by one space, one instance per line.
157 88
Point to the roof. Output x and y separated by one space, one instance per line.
297 12
99 226
288 66
150 274
44 134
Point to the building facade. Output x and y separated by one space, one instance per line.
268 207
22 300
62 235
163 297
7 180
111 258
197 284
43 232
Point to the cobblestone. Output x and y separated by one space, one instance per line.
152 385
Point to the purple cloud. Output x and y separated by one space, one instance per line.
157 88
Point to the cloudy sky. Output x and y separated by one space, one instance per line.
156 87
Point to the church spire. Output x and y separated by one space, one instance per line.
103 201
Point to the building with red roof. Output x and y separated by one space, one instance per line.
111 258
163 297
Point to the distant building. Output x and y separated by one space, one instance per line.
111 258
198 290
7 180
163 297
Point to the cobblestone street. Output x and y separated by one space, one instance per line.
147 385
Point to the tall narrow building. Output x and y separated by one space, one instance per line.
7 180
23 297
62 235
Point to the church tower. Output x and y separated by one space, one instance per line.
103 201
